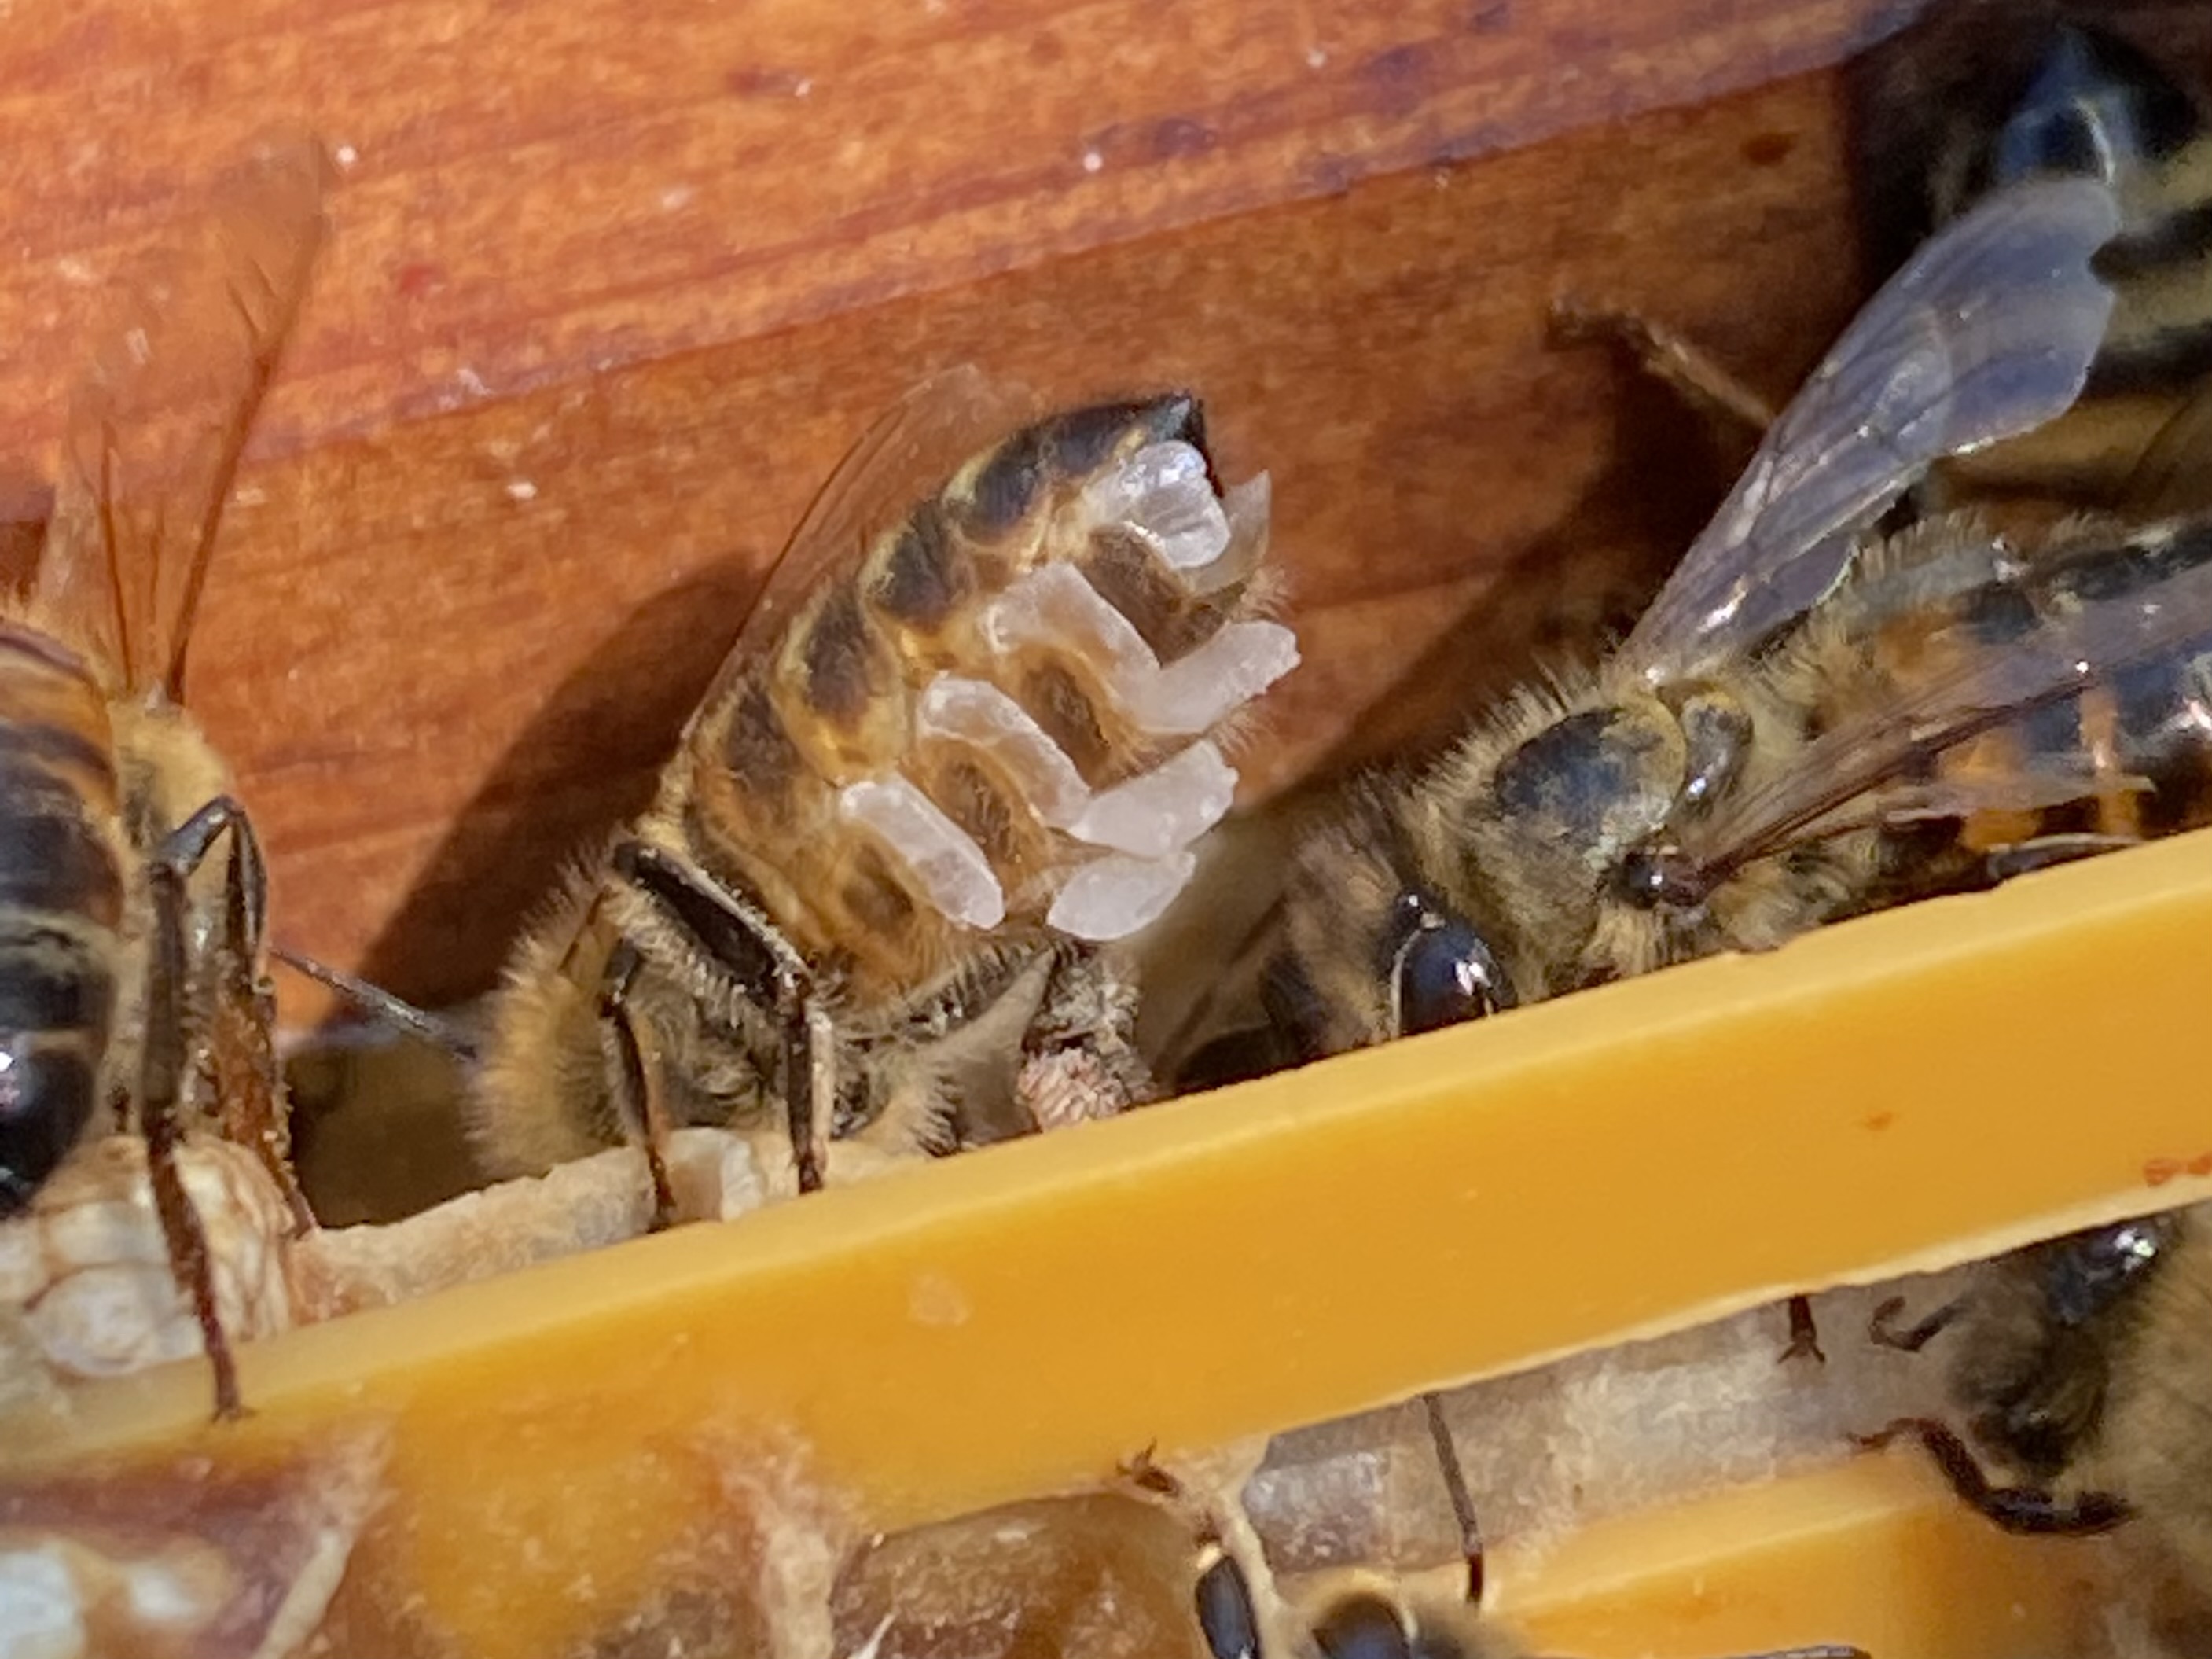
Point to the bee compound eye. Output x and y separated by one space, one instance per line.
1446 974
46 1101
1224 1611
1361 1627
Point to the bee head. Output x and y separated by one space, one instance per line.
1365 1623
1225 1613
1378 941
1363 1626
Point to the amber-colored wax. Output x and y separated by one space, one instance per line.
1908 1090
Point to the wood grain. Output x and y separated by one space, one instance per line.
609 294
538 192
498 619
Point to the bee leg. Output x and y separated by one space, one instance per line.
740 943
1462 1503
634 1081
160 1085
1080 1056
246 1082
2023 858
1881 1329
1804 1334
2013 1509
1670 358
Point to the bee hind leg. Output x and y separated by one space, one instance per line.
161 1085
2026 1509
736 941
1669 358
633 1080
240 1060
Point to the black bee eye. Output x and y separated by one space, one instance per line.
1224 1612
1361 1627
1446 974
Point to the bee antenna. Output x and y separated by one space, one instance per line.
436 1029
1470 1533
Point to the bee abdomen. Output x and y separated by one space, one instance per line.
57 1002
57 784
2149 721
2097 107
1011 703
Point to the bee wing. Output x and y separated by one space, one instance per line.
157 421
1988 331
900 461
2174 475
1862 770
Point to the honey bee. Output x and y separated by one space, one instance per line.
1106 1571
1770 746
2086 103
963 744
132 965
2081 1368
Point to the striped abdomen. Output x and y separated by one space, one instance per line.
2152 722
1004 713
61 904
2096 106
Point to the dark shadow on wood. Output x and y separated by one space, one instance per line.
583 766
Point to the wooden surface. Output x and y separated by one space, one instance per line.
606 299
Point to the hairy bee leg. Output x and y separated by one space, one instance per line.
1462 1502
2045 851
246 1014
632 1079
759 962
1079 1057
1881 1329
1804 1334
161 1085
2013 1509
1669 357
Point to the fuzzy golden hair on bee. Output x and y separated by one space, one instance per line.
1727 778
959 751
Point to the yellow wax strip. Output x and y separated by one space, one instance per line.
1903 1091
1875 1553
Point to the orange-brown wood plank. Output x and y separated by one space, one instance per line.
609 292
498 619
535 191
